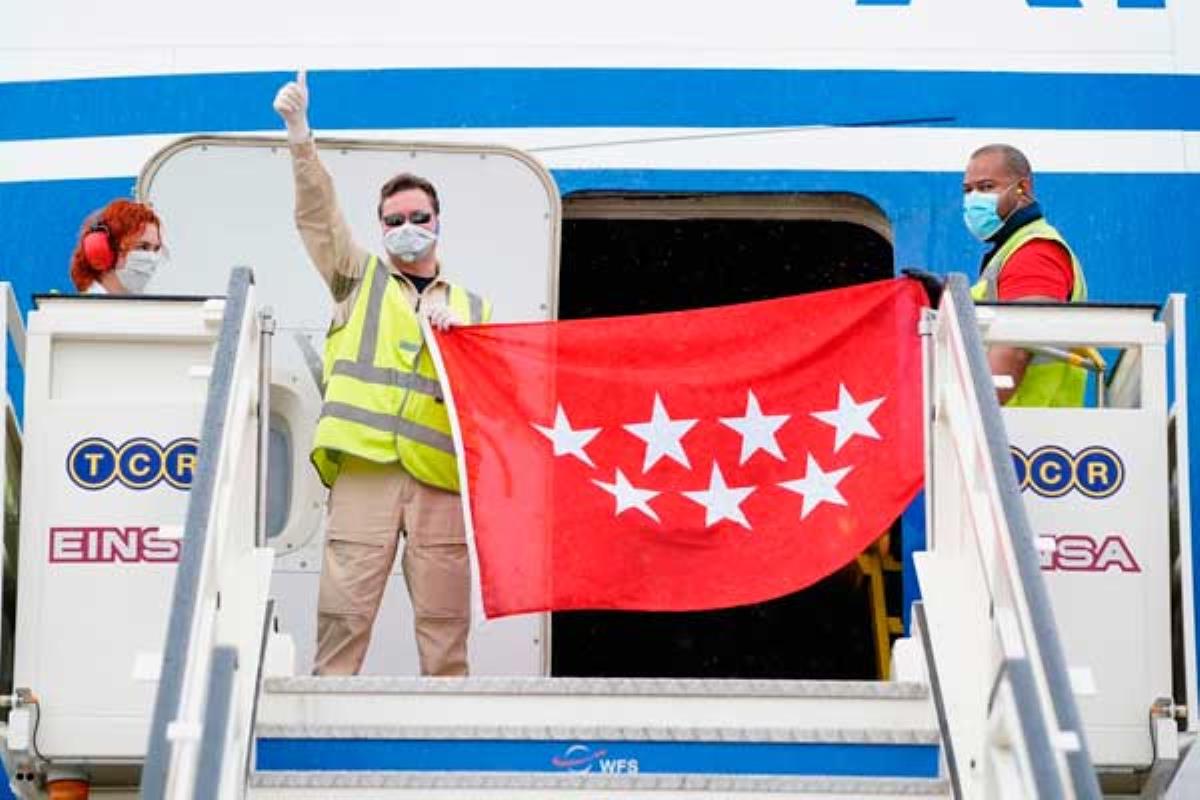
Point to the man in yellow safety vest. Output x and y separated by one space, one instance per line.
383 443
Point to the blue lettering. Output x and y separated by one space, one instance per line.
1051 471
140 463
179 462
1021 467
1098 472
92 463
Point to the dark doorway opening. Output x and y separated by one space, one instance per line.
639 254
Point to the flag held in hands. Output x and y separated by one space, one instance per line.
686 460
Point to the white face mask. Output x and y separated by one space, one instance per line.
409 242
138 269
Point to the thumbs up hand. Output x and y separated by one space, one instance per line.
291 103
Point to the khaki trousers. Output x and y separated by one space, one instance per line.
370 507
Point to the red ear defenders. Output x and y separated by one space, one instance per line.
98 248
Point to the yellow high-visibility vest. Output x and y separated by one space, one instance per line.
383 401
1048 382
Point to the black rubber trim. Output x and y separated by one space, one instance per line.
268 619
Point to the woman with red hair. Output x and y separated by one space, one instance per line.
119 249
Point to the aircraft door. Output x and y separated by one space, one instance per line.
228 201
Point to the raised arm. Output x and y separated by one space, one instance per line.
319 220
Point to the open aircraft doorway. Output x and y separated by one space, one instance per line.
641 253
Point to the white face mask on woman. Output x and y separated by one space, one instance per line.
138 269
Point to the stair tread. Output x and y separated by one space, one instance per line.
589 780
666 733
701 687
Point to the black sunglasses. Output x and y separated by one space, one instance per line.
416 218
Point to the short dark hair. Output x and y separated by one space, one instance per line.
406 180
1014 160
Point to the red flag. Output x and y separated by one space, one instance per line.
686 460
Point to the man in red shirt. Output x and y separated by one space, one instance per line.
1028 260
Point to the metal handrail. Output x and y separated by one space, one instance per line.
179 736
1086 358
13 326
217 712
1032 665
1044 632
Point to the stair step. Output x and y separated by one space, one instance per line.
661 733
545 706
584 786
736 687
645 729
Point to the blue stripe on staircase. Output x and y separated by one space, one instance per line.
703 758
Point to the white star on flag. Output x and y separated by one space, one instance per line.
568 441
817 486
757 429
662 436
721 501
850 418
629 496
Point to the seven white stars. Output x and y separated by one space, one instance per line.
757 430
850 418
817 486
629 496
662 436
568 441
721 501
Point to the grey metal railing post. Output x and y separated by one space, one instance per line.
216 722
177 647
266 321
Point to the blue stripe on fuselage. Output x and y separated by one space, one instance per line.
1094 211
521 98
1135 236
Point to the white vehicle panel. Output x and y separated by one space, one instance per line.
90 592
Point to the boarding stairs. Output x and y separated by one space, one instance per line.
579 737
980 704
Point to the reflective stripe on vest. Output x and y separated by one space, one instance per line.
384 403
1047 382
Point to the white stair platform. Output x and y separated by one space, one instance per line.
587 786
589 737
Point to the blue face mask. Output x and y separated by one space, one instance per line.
980 214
